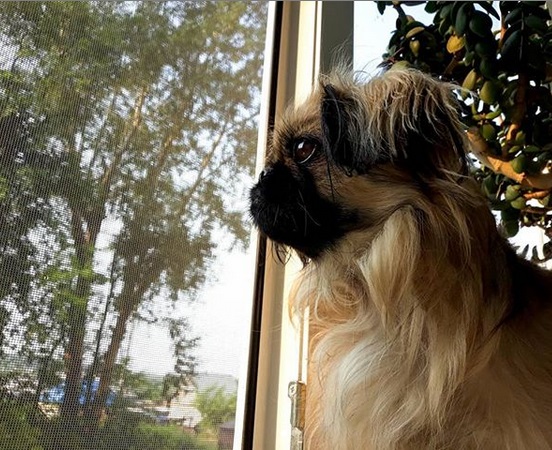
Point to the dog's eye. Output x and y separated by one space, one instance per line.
303 150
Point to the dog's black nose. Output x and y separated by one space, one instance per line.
265 172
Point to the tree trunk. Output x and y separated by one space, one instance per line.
128 301
106 374
84 252
74 353
99 336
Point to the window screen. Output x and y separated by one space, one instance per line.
127 147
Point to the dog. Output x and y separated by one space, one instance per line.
427 331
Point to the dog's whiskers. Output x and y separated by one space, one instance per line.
303 206
276 214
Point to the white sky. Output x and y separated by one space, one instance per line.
373 31
218 317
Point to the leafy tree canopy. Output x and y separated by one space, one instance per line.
215 406
127 130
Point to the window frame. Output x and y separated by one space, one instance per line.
303 39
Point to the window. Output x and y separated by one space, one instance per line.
128 134
307 37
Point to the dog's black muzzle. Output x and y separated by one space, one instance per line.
290 211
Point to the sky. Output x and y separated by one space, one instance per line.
217 317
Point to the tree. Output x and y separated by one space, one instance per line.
502 58
64 92
145 123
142 386
215 406
164 243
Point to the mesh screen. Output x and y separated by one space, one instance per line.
127 147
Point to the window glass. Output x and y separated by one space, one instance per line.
372 32
127 147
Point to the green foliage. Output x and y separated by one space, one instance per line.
501 55
172 384
140 385
154 437
215 406
16 431
122 431
126 128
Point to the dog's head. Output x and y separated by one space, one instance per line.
353 154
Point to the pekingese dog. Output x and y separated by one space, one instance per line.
427 331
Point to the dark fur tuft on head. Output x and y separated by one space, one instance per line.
403 117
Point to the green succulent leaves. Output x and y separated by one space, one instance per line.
500 53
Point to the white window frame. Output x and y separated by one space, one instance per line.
303 38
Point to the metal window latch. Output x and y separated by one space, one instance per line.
297 393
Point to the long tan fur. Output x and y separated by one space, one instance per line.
427 332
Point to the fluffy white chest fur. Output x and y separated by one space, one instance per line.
406 357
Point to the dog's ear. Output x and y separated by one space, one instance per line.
432 147
423 124
335 121
339 125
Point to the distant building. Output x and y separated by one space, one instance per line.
183 410
204 381
226 435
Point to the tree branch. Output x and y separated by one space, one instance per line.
107 177
482 152
520 107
